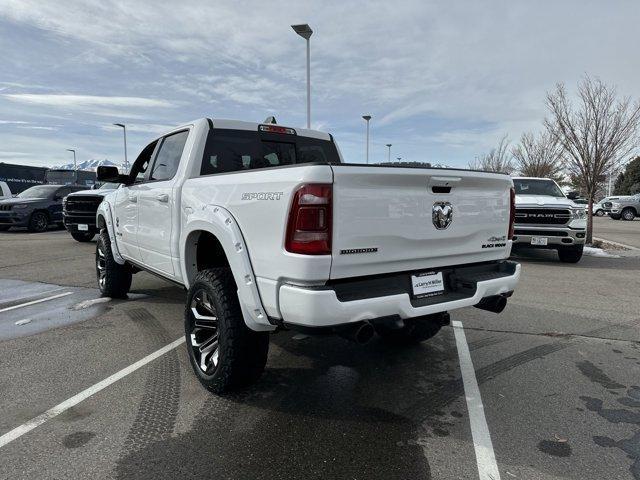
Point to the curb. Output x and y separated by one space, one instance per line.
617 243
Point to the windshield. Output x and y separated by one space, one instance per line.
41 191
525 186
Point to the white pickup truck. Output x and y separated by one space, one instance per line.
546 218
268 229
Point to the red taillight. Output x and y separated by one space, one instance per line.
512 212
309 227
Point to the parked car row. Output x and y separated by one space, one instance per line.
36 208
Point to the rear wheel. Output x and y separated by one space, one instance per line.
224 352
628 214
114 280
414 330
39 222
83 236
571 254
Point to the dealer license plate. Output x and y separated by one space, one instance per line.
427 284
83 227
539 240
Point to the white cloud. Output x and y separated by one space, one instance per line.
441 79
61 100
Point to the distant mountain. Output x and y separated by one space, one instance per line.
91 165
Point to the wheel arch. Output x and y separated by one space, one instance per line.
104 219
212 238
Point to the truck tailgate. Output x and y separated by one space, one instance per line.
383 219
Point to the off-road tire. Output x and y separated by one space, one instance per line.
38 222
241 352
116 278
83 236
628 214
599 213
413 331
571 254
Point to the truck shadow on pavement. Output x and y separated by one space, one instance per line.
325 408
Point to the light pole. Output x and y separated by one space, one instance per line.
124 128
366 119
389 153
304 30
399 158
75 165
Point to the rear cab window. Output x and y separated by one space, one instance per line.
238 150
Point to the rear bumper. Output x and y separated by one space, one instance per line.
466 286
556 236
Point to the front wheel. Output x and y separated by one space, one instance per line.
4 228
614 217
224 352
114 280
414 330
571 254
628 214
83 236
39 222
599 213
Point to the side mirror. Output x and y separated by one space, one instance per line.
111 174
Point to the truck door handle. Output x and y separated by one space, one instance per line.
133 198
163 197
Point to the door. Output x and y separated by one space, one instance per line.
126 206
156 204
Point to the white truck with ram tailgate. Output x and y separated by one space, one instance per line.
268 229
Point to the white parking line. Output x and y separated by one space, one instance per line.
58 409
485 458
53 297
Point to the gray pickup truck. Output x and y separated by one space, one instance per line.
626 208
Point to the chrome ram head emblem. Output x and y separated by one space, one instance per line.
441 215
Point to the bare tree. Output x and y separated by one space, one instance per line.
498 159
539 156
601 130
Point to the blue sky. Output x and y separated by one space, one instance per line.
442 80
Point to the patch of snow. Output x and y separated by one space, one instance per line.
90 303
598 252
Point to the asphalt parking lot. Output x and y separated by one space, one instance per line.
627 233
558 374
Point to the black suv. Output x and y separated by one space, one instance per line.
36 208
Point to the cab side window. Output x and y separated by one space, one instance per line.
167 161
141 165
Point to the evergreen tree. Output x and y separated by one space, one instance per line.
630 184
